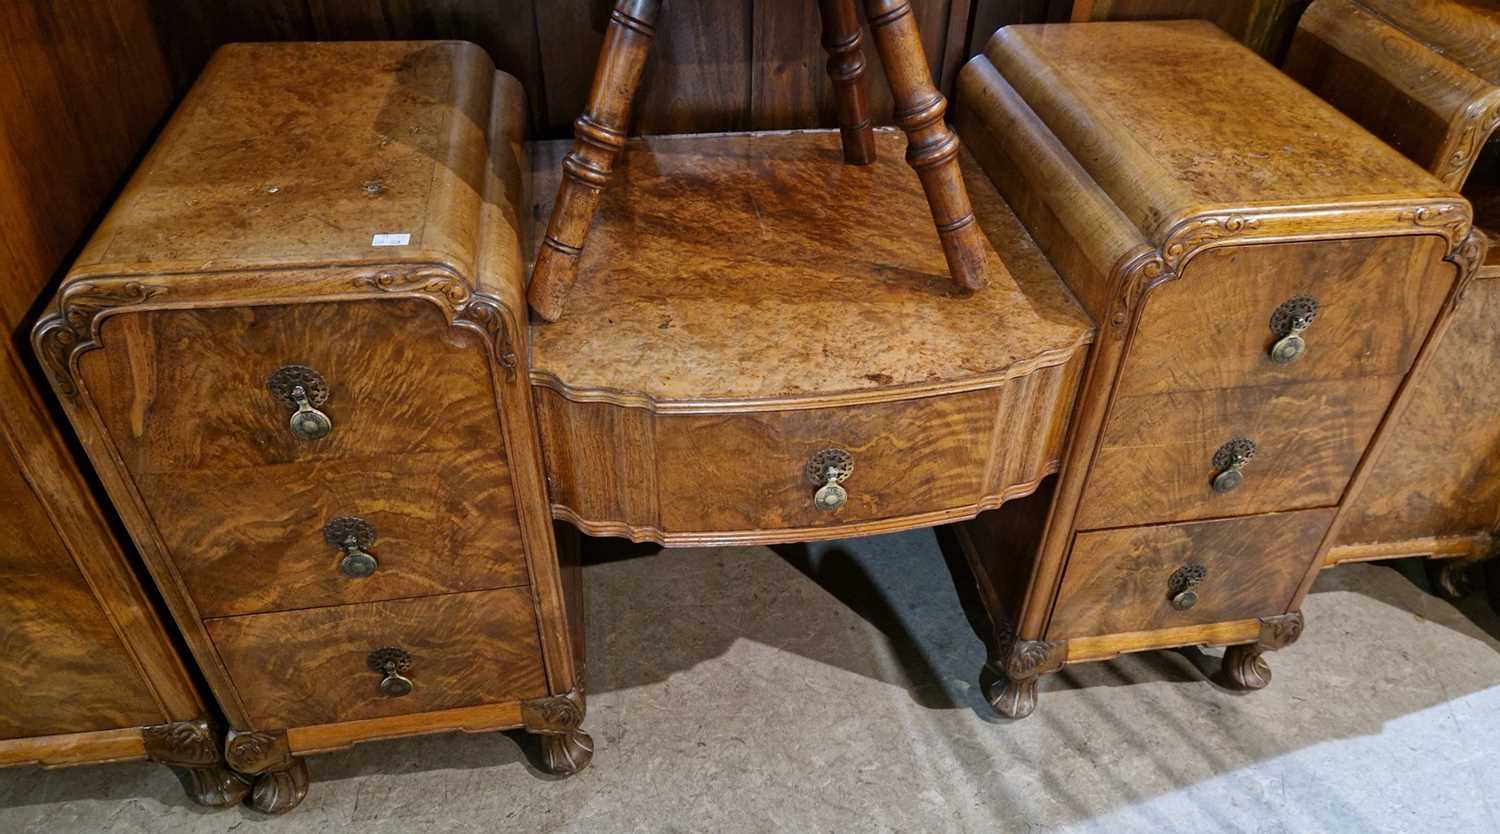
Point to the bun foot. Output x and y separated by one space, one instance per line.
1014 699
279 791
566 754
1246 667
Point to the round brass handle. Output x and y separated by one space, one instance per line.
827 470
1182 585
391 662
1229 459
303 390
353 536
1287 323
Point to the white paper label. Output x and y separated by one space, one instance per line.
391 240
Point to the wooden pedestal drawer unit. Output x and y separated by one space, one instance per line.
745 358
1425 77
295 349
1266 282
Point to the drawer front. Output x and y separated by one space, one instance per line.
691 478
1157 457
253 540
1121 581
310 667
188 389
1212 328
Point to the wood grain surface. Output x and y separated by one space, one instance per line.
251 540
746 268
309 667
1440 474
64 669
1155 459
187 390
1376 300
1117 580
1180 145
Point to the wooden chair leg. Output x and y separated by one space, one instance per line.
599 135
843 39
932 149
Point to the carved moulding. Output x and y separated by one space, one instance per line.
1480 120
193 748
59 339
556 721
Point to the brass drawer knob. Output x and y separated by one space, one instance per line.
1288 322
391 664
353 536
1182 585
1229 460
303 390
827 470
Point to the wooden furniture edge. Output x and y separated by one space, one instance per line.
1432 547
741 538
68 749
1104 647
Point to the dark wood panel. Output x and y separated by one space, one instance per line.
301 668
1262 25
1121 580
717 65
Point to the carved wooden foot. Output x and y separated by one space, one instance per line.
598 137
191 748
1025 662
843 40
1245 665
565 755
280 778
1453 579
556 721
932 149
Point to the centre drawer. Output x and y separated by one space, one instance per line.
1167 457
1133 579
325 665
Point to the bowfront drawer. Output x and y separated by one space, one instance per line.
290 536
325 665
1229 452
1147 578
1286 313
785 475
216 388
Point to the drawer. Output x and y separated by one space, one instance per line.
310 667
252 540
188 389
745 476
1156 458
1212 328
1120 581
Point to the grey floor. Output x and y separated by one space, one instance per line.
833 688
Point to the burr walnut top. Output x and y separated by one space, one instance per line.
300 155
760 267
1175 120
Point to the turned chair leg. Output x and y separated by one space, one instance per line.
599 136
843 39
932 149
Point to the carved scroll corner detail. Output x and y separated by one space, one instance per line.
1281 631
257 752
435 281
555 714
1452 220
1139 277
488 316
182 743
1188 237
1030 658
58 338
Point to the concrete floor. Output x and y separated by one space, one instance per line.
833 688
